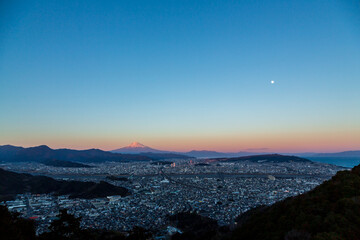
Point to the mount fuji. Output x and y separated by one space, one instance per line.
137 147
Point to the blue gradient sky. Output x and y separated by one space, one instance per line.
181 75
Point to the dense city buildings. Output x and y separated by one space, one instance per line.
219 190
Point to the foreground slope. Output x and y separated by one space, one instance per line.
330 211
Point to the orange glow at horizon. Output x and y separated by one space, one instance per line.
280 142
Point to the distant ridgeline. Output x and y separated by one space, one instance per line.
43 153
12 183
52 157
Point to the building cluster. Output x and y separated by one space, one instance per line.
220 191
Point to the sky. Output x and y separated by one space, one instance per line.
181 75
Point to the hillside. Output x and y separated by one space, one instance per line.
12 183
100 190
10 153
273 158
60 163
330 211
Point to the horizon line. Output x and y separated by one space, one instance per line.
184 151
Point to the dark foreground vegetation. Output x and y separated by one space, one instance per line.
329 212
65 227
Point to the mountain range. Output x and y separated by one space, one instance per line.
138 148
43 153
139 152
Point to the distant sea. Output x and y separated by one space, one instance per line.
339 161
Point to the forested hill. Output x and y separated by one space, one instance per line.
265 158
330 211
12 183
60 163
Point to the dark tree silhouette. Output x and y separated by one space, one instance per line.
65 227
12 226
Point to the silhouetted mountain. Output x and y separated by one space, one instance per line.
330 211
60 163
12 183
101 190
138 148
41 153
273 158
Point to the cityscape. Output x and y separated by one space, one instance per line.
179 120
221 191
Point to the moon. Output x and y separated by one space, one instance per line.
272 81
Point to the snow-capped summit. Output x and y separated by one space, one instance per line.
136 147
